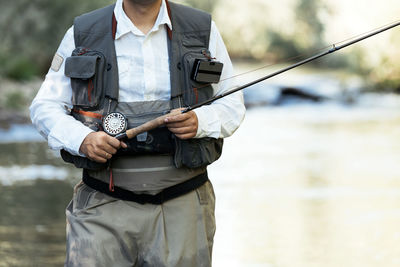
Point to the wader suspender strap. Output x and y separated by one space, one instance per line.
165 195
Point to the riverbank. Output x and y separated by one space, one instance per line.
15 98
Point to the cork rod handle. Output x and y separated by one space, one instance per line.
150 125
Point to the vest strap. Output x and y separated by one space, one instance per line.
88 113
114 26
165 195
169 32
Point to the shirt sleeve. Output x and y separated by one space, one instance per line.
223 116
49 109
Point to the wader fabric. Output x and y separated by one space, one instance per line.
103 231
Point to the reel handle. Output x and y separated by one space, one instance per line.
145 127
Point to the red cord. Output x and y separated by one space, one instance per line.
111 187
196 93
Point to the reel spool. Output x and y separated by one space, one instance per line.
115 123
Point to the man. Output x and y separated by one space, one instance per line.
146 201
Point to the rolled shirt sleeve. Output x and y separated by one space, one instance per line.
221 118
49 109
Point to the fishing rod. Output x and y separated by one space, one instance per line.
115 125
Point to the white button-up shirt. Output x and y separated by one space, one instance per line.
144 75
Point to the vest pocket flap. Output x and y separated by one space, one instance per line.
81 67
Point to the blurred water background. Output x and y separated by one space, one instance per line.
311 178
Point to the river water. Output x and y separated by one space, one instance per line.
301 185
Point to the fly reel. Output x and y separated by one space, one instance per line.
115 123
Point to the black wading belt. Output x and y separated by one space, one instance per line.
165 195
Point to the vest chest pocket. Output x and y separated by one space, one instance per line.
86 70
194 92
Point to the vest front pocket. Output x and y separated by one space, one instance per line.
86 73
192 94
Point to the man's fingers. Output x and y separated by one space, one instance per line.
184 126
180 124
98 159
124 145
177 118
112 141
108 148
182 120
106 139
100 147
105 152
181 130
99 155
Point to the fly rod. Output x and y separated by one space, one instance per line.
110 123
300 63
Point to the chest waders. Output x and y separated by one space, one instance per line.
156 166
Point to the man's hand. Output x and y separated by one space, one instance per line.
99 146
183 125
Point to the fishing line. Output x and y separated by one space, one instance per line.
116 123
290 59
334 48
366 33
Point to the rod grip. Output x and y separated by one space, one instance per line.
150 125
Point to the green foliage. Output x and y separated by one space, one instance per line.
20 68
15 100
32 30
206 5
309 24
28 43
386 76
307 35
282 45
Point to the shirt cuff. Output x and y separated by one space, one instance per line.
68 135
209 125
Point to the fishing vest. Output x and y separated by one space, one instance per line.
93 71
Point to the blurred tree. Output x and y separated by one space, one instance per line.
309 24
385 73
32 30
308 34
206 5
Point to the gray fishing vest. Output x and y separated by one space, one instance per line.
93 71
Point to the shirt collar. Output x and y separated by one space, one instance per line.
125 25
